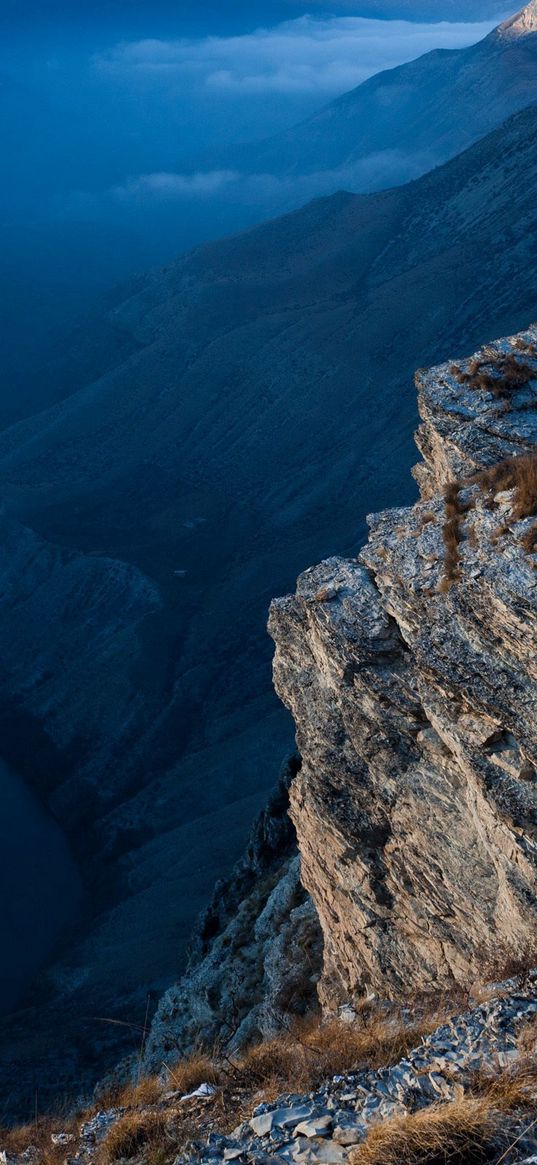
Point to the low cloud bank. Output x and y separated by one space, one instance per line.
324 56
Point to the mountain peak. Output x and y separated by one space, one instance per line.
522 23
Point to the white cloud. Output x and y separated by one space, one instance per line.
165 186
306 55
269 192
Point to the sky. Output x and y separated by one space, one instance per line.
117 115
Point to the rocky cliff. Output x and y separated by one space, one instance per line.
411 675
283 356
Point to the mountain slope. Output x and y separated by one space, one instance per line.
263 409
401 122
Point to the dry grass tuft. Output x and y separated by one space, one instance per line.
14 1141
527 1041
501 374
501 962
464 1132
451 533
518 474
309 1053
133 1133
515 473
148 1090
188 1074
380 1042
513 1090
525 346
529 541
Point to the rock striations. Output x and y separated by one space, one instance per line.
413 684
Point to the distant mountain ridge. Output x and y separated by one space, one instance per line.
403 121
396 126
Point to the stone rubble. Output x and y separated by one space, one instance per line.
322 1128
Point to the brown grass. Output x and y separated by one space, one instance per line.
527 1041
513 1090
515 473
464 1132
501 374
297 1060
451 533
148 1090
133 1133
468 1130
14 1141
529 540
188 1074
500 963
525 346
309 1053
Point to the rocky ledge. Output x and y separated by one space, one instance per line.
411 674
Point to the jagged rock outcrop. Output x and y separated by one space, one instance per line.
414 696
256 954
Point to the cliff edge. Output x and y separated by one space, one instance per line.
411 674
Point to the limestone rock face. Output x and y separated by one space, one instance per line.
415 704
